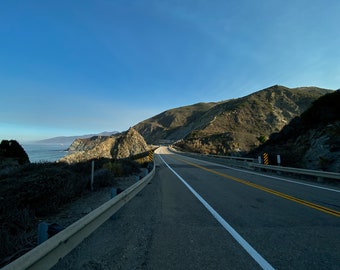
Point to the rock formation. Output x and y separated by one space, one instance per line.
12 152
311 140
116 146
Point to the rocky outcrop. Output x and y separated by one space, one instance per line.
86 144
117 146
310 141
323 152
130 144
11 152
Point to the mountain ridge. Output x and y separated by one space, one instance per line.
232 126
70 139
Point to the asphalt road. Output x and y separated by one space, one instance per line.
201 215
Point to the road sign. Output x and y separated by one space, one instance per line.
150 155
265 159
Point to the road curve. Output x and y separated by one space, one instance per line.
201 215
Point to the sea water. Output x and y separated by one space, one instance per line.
39 152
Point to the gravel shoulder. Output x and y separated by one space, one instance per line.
133 225
80 207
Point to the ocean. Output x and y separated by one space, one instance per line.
39 152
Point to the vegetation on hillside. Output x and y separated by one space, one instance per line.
34 191
231 127
311 140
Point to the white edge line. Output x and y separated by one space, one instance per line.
250 250
269 176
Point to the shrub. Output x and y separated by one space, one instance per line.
262 138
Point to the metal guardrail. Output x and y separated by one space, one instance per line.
251 162
216 156
49 252
233 158
318 174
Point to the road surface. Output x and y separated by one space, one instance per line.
201 215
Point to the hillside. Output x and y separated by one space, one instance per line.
172 124
230 127
311 140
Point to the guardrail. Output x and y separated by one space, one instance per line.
49 252
319 174
234 158
252 163
216 156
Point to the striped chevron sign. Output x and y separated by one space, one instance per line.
150 155
265 159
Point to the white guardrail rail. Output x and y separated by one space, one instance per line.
251 163
49 252
319 174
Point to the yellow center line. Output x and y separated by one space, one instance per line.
268 190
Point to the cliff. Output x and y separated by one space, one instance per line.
311 140
116 146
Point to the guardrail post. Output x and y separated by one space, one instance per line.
92 174
150 166
319 179
42 232
143 172
259 159
278 158
113 192
46 231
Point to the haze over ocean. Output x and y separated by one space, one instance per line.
40 152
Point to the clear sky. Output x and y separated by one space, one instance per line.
76 67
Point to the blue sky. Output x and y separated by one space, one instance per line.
79 67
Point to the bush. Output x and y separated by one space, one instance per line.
262 138
122 167
33 191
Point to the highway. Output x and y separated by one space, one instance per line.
196 214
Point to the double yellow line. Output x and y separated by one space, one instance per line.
268 190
